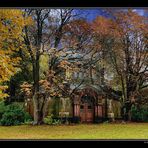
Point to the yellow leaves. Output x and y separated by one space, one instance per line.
3 87
3 95
12 23
28 21
68 74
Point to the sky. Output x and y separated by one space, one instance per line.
92 13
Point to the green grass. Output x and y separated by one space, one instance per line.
81 131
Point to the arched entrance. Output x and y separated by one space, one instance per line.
87 109
87 106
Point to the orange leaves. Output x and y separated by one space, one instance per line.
77 34
124 22
3 87
3 95
130 21
50 86
78 26
64 64
101 25
26 88
45 84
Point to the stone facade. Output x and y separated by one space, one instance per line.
88 104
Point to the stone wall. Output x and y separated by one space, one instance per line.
116 108
60 107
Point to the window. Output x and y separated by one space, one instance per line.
89 107
81 107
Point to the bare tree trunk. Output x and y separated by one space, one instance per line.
36 90
36 109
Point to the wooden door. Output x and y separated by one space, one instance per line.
86 112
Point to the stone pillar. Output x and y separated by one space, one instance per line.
110 111
100 113
76 106
96 110
76 110
110 106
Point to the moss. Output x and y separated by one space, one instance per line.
56 107
116 105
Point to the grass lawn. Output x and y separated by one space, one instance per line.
80 131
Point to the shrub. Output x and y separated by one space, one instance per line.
50 121
76 120
139 114
12 118
56 122
2 108
27 118
14 114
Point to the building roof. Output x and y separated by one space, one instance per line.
103 90
96 88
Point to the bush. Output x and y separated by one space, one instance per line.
14 114
50 121
139 114
76 120
27 118
2 108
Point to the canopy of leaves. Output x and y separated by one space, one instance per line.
11 26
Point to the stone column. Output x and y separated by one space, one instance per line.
100 113
110 111
76 110
96 110
76 107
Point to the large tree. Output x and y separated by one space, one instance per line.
11 40
44 35
126 43
33 39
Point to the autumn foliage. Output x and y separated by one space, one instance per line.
11 41
116 45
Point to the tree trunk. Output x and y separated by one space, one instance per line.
36 109
36 90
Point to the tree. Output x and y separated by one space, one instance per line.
46 32
132 53
126 42
33 39
11 41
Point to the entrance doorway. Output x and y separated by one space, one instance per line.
87 109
